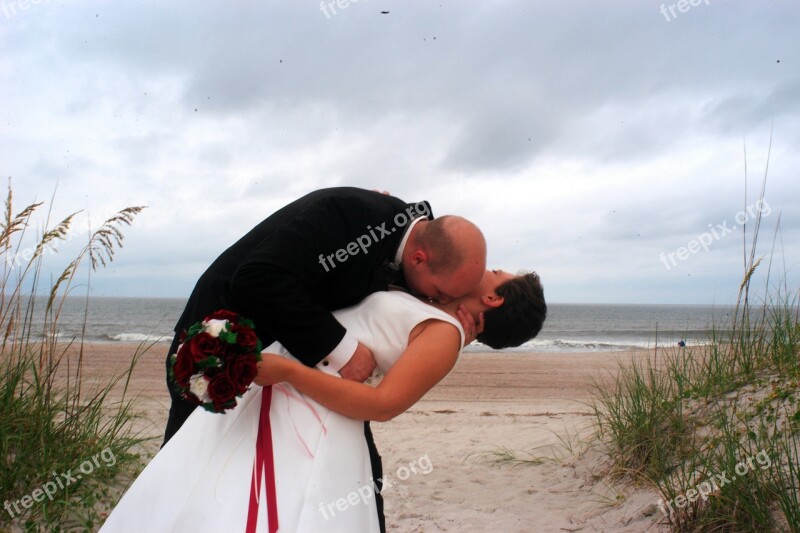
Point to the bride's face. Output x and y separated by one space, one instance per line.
484 296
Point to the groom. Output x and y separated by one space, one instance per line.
328 250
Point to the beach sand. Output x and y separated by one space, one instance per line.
438 455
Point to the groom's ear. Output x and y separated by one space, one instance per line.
418 257
492 300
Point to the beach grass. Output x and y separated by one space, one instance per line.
713 429
63 442
716 429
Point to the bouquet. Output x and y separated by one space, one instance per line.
216 361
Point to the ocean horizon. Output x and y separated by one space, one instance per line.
568 328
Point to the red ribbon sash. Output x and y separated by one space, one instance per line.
264 466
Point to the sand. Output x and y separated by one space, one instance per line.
438 455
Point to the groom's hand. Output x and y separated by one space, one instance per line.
360 366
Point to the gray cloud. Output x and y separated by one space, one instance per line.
584 138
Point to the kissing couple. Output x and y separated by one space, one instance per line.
339 283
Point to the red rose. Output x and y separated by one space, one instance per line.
223 314
200 346
229 351
182 369
245 337
221 390
241 370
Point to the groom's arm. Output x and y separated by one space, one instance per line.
274 284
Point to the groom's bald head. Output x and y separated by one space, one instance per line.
444 258
452 242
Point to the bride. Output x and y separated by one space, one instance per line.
291 456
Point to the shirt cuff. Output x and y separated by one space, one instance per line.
340 355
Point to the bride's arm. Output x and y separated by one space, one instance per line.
430 355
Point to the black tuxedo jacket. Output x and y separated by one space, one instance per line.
304 261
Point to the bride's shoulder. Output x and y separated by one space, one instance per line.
401 298
395 300
388 297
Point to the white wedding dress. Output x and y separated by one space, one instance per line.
201 480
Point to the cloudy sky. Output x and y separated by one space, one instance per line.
601 144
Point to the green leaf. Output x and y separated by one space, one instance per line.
196 328
212 361
227 336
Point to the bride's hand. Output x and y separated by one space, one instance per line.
271 369
472 327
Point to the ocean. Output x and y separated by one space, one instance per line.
568 328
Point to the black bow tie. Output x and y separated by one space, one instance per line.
394 275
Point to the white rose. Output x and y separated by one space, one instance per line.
198 385
213 327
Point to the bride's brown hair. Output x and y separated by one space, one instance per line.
520 317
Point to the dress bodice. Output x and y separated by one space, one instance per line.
384 320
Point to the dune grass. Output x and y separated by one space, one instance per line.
716 429
62 441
